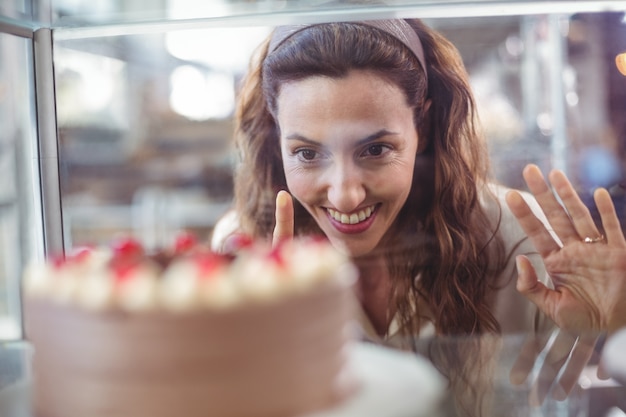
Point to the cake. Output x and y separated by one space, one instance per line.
188 332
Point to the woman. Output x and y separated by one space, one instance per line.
371 129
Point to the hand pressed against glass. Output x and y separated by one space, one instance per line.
348 146
589 283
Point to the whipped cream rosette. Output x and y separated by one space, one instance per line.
186 277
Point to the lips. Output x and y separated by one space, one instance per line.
352 223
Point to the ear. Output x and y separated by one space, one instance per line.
424 129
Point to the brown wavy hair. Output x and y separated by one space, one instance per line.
442 233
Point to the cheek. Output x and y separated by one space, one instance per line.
299 182
399 190
402 178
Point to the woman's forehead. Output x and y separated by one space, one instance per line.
358 90
354 107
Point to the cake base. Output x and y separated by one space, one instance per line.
281 358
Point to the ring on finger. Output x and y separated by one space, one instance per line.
597 239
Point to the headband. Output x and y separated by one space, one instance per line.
398 28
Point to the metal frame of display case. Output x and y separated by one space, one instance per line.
48 184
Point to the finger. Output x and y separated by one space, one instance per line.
578 360
554 211
536 291
610 221
525 361
540 295
578 211
527 358
556 356
284 218
532 226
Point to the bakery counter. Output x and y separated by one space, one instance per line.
399 384
391 383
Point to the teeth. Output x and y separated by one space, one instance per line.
353 218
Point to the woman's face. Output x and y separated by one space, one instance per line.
348 147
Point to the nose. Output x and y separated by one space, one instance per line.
346 188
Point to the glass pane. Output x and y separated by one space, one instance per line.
144 131
18 168
145 120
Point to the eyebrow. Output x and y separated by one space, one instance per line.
367 139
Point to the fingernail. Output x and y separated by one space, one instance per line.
519 264
281 199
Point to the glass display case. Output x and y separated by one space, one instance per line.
117 116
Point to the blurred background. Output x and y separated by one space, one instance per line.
145 93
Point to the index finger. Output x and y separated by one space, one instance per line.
284 218
532 226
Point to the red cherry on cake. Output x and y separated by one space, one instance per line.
122 272
236 242
57 261
185 242
127 248
276 255
209 262
80 254
127 254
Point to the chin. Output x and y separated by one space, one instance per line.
352 250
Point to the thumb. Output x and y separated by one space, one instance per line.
284 218
531 287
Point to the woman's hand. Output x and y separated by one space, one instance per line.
284 218
588 270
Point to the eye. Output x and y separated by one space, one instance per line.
376 149
306 154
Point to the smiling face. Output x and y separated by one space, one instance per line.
348 147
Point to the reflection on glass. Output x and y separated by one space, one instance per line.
199 96
144 131
145 120
482 385
18 242
88 85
